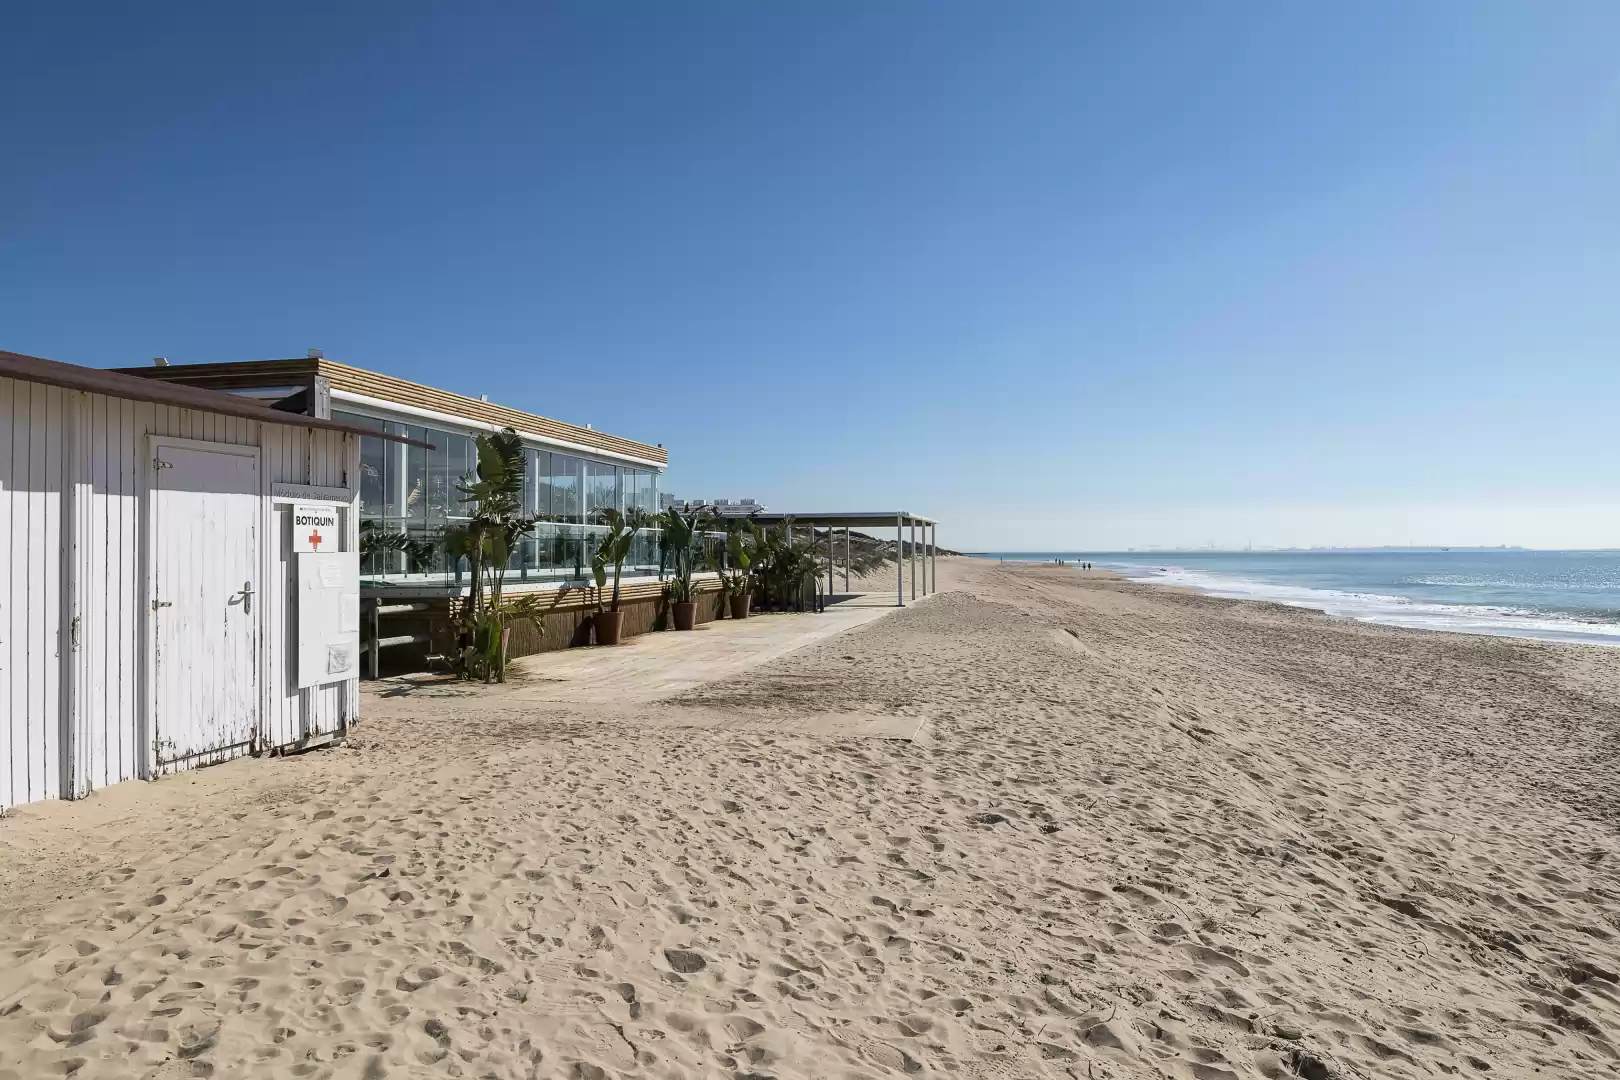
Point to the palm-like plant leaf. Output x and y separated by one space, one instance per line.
486 540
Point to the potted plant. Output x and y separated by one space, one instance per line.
787 568
680 542
741 540
494 495
612 551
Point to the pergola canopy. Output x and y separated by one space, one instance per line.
847 519
899 520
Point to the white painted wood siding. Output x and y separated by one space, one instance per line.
31 440
79 460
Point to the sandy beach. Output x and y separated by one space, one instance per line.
1142 833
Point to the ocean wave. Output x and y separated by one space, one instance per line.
1394 610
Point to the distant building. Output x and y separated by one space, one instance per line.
723 507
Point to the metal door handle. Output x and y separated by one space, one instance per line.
161 603
247 597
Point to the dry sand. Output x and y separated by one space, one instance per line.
1149 834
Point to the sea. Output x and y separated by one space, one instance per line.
1571 596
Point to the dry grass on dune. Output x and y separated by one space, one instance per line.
1149 834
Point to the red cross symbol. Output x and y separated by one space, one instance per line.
315 538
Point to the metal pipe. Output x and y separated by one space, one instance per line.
403 639
403 609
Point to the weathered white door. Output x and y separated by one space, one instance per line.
203 587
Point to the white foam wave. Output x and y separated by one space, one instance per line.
1388 610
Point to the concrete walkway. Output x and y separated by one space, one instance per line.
655 665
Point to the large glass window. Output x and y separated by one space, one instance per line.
408 495
453 460
537 483
391 506
563 550
639 495
638 490
601 488
566 482
373 463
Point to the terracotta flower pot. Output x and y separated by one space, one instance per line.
685 614
739 605
609 627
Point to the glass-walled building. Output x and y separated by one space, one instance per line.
412 493
409 495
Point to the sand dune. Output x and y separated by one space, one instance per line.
1149 834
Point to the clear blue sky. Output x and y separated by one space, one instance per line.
1062 274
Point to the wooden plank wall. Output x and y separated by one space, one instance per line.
53 442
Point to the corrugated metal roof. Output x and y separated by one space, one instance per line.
178 395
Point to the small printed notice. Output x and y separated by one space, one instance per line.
315 527
339 659
328 614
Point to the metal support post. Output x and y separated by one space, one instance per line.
899 562
927 548
913 554
933 555
375 637
829 561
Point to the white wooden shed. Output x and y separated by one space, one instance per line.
149 590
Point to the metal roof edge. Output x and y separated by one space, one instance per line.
37 369
404 392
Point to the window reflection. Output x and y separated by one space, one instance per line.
566 472
602 488
411 493
537 483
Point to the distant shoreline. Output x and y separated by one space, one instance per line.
1436 549
1563 597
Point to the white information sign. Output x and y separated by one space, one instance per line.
328 616
315 527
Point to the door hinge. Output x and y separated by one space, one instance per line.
77 621
159 463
